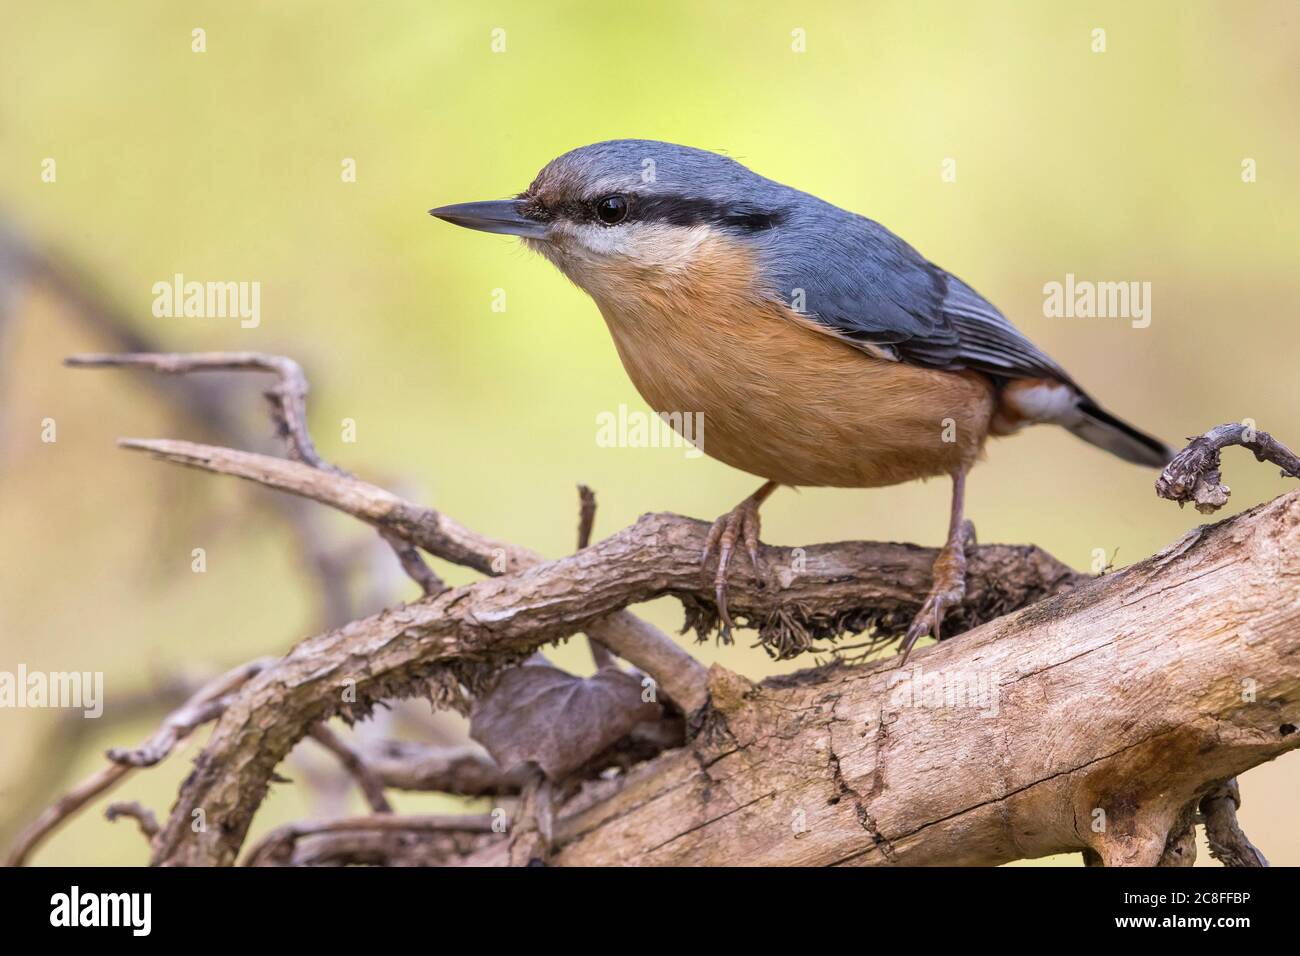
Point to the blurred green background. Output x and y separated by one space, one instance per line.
1116 165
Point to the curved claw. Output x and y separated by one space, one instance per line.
928 620
948 590
739 524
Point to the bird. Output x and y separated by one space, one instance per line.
821 349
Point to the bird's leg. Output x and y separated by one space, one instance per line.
742 523
948 585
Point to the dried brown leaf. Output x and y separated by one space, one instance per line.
541 714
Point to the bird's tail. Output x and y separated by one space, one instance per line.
1099 427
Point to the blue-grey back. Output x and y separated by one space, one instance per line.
846 271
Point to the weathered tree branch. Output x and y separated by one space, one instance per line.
1072 636
817 592
600 654
1166 643
1228 844
204 705
1117 705
278 847
680 675
630 637
372 787
393 653
69 731
143 816
288 402
464 770
1078 715
1193 475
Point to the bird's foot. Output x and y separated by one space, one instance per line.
741 523
947 590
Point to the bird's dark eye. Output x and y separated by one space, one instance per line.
611 210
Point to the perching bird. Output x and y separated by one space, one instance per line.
821 348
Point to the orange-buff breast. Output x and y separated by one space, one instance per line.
779 398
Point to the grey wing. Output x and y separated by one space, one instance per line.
987 341
869 287
864 285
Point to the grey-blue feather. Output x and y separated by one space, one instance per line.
844 270
848 273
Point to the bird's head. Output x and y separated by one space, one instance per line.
629 211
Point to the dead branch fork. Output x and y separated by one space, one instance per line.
771 741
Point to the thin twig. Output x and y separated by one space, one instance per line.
586 515
600 654
372 788
1193 474
207 704
288 403
139 812
288 396
204 705
100 782
462 770
679 675
276 848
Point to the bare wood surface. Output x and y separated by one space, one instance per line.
631 638
624 634
278 846
462 770
1228 843
1119 705
1165 644
1105 715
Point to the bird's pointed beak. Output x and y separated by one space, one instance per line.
496 215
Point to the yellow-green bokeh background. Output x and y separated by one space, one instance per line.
1122 165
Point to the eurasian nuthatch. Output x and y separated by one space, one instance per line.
821 348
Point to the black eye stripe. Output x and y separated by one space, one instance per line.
673 210
692 211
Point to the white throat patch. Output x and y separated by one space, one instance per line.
594 256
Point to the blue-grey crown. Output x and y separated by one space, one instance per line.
668 183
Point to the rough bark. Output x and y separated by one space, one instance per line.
1134 695
1107 716
631 638
1127 695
